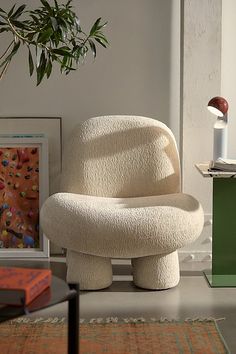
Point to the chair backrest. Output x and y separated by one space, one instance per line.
121 156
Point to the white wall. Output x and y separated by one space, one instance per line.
201 75
228 68
201 81
137 74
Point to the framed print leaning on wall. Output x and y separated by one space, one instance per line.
50 128
23 189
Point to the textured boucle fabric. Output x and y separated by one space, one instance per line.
122 227
121 156
91 272
120 198
156 272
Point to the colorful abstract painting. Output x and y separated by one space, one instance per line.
19 197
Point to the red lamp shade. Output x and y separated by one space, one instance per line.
218 106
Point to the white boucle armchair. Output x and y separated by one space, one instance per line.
121 198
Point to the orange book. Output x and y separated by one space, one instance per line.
19 286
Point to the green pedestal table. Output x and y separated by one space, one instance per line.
223 273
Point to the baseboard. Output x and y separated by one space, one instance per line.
195 256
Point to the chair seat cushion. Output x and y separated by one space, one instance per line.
122 227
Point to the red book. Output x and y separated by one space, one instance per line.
19 286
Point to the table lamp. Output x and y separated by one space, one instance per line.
219 106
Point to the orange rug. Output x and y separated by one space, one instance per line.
195 337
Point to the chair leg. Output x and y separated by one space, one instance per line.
156 272
91 272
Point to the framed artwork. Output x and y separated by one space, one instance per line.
50 128
23 188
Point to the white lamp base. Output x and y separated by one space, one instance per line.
220 139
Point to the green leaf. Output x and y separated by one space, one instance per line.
56 39
1 10
19 24
35 18
100 41
56 5
54 23
64 63
38 55
5 29
18 12
41 69
13 52
95 26
40 75
43 37
62 34
63 23
93 48
11 11
62 51
68 3
102 37
102 25
3 23
49 68
31 63
77 21
46 4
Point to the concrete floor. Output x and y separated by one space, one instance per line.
192 298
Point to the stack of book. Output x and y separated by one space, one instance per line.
20 286
222 164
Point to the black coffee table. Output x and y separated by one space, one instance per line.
59 292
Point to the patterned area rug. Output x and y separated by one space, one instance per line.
128 337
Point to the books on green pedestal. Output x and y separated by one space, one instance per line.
222 164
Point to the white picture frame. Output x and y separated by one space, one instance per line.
51 128
41 144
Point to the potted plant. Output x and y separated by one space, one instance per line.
52 34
